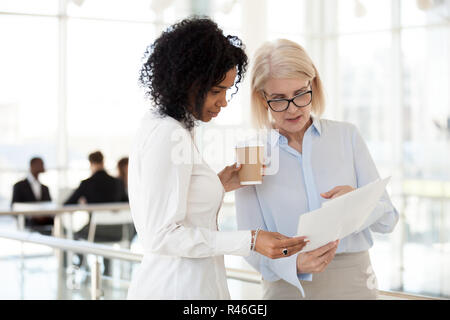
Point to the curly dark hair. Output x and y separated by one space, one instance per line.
190 57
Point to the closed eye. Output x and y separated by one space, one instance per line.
218 89
300 92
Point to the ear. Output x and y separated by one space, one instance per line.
264 102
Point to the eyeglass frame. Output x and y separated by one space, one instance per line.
289 100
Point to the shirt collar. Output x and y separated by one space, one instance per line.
32 179
316 125
279 138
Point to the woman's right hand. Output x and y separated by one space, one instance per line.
272 244
315 261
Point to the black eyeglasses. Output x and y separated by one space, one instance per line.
301 100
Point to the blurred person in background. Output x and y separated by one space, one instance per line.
31 189
122 168
100 187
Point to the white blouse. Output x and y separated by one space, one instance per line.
174 199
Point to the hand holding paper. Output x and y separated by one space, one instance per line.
337 192
341 216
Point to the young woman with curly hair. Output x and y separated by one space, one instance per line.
174 195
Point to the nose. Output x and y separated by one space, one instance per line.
291 108
222 102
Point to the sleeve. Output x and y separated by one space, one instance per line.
249 216
122 191
46 193
76 195
166 171
384 217
15 194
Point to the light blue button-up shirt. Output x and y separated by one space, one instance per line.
333 154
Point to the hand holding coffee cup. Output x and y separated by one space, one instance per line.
250 156
229 177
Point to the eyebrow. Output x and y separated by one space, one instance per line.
222 87
283 95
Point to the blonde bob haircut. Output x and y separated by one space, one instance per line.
280 59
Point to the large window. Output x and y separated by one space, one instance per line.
393 83
104 101
70 86
28 96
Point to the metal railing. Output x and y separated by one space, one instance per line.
106 251
50 208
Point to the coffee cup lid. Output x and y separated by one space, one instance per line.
249 143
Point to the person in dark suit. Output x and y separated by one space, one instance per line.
122 167
99 188
31 190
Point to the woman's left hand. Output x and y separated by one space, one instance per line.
337 191
230 178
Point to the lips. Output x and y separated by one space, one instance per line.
213 114
294 119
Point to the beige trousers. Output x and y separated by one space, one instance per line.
349 276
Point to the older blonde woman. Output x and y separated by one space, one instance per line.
318 159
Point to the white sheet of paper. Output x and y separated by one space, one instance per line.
339 217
